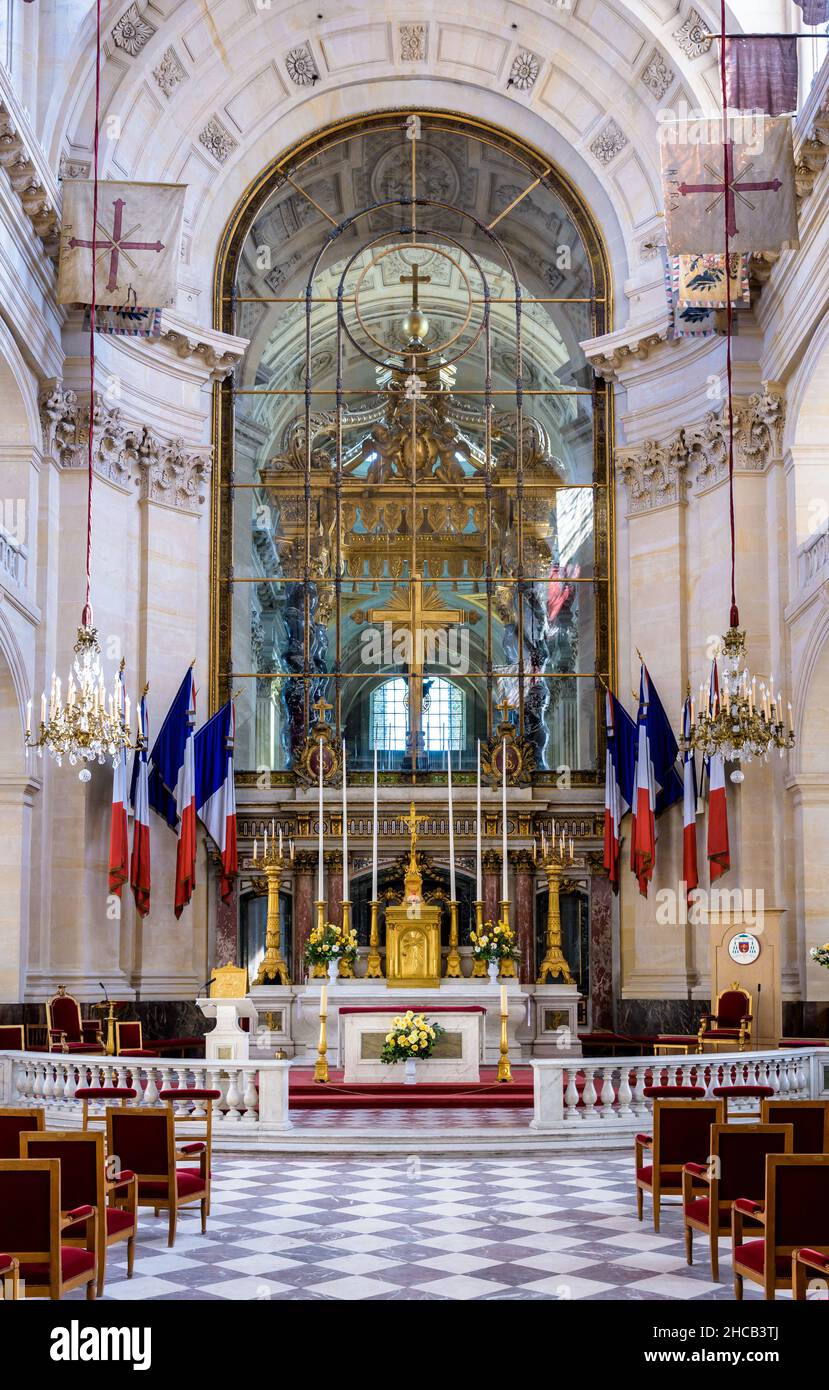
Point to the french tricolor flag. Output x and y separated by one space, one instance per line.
619 763
719 855
186 804
216 790
140 802
690 872
643 837
119 844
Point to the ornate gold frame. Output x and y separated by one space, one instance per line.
232 240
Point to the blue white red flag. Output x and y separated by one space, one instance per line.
216 790
167 756
186 804
620 762
690 871
140 802
719 854
657 783
119 844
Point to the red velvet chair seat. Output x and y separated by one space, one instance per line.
73 1261
105 1093
699 1209
816 1257
752 1255
722 1033
671 1181
188 1181
117 1220
137 1052
674 1092
189 1093
757 1092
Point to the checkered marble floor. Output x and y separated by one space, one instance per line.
561 1227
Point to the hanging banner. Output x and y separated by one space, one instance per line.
749 181
699 281
136 243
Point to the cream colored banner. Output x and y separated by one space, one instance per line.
137 242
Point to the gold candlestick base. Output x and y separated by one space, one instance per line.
321 1067
479 970
554 963
374 969
273 968
504 1069
453 959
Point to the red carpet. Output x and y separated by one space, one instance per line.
489 1093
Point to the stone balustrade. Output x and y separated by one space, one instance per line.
813 557
12 559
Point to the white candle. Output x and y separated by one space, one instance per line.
320 869
374 834
345 831
140 721
504 879
266 842
254 846
452 897
280 840
323 1000
478 875
29 716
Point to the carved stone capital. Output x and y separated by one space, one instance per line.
491 861
20 163
305 861
171 473
658 473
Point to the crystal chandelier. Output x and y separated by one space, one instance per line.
734 719
90 725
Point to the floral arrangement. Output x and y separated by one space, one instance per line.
821 954
410 1035
493 943
330 942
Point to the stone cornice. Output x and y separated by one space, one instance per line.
166 471
659 473
27 167
611 353
217 352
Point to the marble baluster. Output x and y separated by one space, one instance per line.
607 1095
251 1096
571 1097
624 1093
588 1094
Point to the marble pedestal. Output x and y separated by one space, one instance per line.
227 1041
556 1021
363 1030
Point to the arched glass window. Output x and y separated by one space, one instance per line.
443 715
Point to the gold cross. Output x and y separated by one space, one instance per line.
504 708
415 280
419 610
412 820
319 707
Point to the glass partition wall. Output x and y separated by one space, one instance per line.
412 513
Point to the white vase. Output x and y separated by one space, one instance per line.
333 970
410 1071
492 970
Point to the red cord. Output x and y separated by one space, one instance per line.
728 172
86 617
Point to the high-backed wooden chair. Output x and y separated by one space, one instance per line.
14 1121
793 1214
809 1120
195 1110
83 1182
729 1023
736 1167
143 1137
89 1094
129 1040
809 1267
32 1227
681 1134
66 1030
11 1037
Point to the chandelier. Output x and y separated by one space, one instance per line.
89 725
735 720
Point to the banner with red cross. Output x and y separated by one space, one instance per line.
136 243
749 181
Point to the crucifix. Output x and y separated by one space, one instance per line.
416 612
503 707
320 708
415 280
117 243
412 821
733 186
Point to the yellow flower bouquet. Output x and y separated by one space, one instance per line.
821 954
493 942
410 1035
330 942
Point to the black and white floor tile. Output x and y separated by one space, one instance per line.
562 1227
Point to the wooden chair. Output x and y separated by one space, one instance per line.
14 1121
198 1110
732 1015
736 1167
83 1182
794 1214
738 1092
66 1030
129 1040
809 1120
32 1227
804 1261
681 1134
11 1037
143 1137
9 1278
85 1094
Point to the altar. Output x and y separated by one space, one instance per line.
456 1055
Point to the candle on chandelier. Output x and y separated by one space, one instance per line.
254 847
452 897
504 871
126 709
140 722
265 851
345 831
291 850
374 834
572 854
320 867
478 871
43 707
791 720
280 840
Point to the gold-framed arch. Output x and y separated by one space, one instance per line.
289 171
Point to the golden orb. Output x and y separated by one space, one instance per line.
415 325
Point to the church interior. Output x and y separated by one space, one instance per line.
414 650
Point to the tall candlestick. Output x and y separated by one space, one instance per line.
374 835
452 897
478 873
345 831
320 868
504 876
